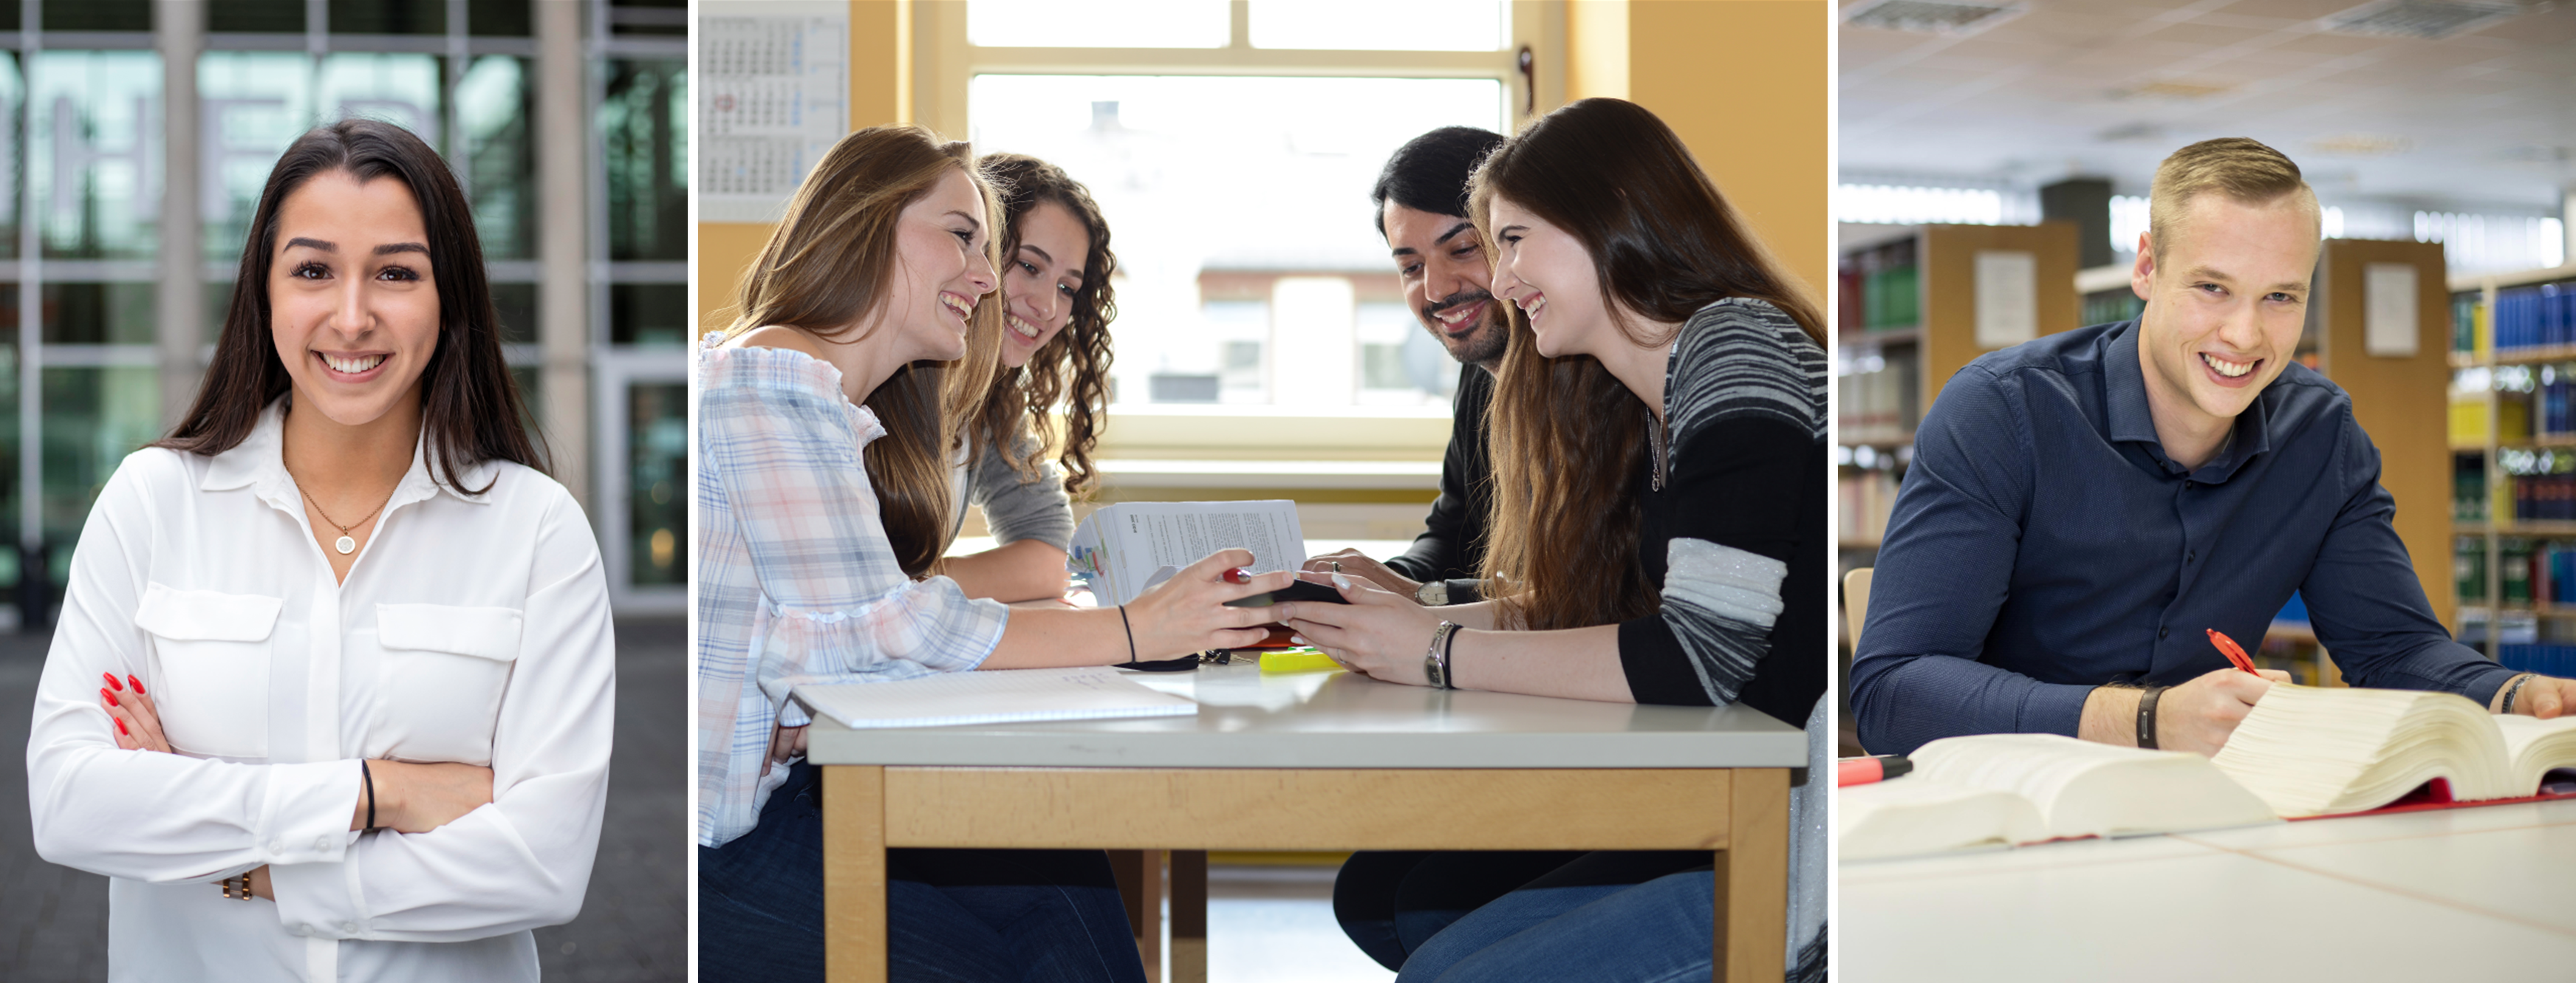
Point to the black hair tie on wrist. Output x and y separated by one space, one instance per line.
370 778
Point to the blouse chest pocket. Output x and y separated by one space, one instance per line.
210 652
443 672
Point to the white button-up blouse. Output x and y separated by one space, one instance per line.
473 628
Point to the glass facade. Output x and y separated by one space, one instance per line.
83 148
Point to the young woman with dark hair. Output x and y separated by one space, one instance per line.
339 607
1056 305
1660 491
824 446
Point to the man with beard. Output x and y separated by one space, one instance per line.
1420 203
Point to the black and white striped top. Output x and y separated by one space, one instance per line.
1740 512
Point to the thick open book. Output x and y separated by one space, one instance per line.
994 697
1125 548
2004 789
2300 752
2313 752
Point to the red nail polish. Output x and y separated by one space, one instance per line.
120 728
111 680
109 697
138 684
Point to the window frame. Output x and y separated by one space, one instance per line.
944 64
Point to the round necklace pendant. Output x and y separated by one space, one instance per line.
345 545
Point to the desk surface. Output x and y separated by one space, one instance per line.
2485 893
1340 720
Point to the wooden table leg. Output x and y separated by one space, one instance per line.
854 874
1140 884
1189 916
1753 878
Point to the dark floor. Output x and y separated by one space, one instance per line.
633 926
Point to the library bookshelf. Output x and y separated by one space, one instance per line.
2513 445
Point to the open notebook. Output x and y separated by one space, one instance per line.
995 697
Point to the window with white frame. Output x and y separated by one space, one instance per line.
1231 147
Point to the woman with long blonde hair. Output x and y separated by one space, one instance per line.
824 453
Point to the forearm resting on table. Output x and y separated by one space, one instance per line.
1020 570
1039 638
1580 663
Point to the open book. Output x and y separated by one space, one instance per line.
2300 752
1124 549
2311 752
2003 789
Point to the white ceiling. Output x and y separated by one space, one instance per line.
2484 120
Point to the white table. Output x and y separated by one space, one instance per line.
1317 761
2485 893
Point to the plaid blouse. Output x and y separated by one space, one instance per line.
796 581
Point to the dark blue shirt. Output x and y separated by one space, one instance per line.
2044 545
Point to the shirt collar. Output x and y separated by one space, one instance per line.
259 463
2124 397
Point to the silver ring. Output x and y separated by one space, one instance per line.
1337 565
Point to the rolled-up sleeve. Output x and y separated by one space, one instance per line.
144 815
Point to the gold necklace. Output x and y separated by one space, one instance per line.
347 544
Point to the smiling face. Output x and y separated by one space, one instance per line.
1546 272
940 271
2225 303
352 300
1448 281
1039 284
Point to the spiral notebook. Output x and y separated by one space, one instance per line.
998 697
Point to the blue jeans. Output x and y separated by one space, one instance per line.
952 916
1656 932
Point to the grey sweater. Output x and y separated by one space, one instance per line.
1013 510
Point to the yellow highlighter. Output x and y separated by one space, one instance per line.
1304 659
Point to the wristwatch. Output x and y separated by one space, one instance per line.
1432 593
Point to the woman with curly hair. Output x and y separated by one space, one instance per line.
1057 305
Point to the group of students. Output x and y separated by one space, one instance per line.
1650 407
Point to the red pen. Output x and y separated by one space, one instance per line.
2228 647
1238 575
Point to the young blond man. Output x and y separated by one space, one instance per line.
2082 507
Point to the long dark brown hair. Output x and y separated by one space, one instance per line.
470 408
830 266
1567 438
1074 365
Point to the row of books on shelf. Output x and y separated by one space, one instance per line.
1882 404
2522 498
1865 498
1882 287
2533 317
2547 660
2525 569
2547 409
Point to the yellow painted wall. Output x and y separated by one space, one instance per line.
880 93
1744 83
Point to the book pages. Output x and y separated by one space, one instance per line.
2311 751
2082 788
